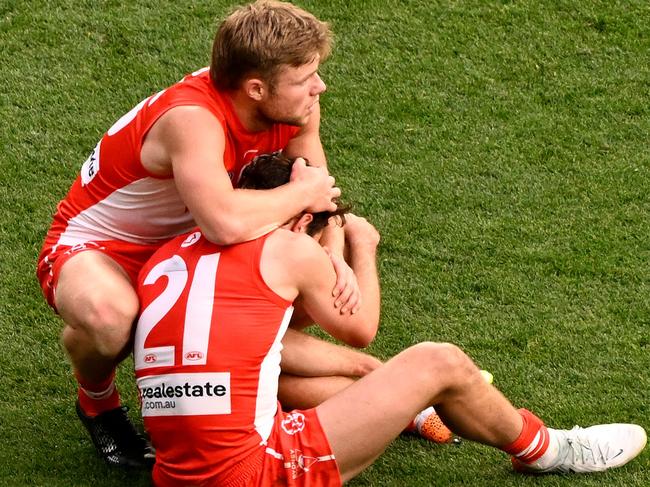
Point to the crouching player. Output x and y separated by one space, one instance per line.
207 359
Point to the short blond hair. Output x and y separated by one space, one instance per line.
262 37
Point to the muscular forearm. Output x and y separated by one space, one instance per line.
363 261
189 144
248 214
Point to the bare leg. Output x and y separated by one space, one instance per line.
314 370
296 392
365 417
97 302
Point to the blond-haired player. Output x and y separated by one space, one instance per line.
173 162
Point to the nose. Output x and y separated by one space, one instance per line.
320 85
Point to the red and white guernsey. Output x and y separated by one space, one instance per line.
207 357
115 198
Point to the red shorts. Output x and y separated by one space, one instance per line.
128 255
297 454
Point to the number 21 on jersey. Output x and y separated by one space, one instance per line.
198 313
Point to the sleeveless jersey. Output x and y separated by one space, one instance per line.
115 198
207 356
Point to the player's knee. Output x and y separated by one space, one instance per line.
445 363
108 323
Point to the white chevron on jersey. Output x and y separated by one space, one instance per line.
144 212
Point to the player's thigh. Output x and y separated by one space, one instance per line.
94 291
364 418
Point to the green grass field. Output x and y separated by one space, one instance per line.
500 147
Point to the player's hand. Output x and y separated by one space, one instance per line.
346 292
360 233
319 185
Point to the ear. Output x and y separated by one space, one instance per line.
301 224
255 88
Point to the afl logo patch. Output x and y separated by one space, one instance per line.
194 356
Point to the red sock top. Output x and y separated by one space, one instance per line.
533 440
96 398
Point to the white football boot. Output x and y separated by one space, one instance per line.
584 450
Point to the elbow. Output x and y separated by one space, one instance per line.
360 341
223 233
362 336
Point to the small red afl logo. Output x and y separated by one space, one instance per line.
150 358
194 356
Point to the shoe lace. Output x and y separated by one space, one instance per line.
583 451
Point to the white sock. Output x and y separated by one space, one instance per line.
549 457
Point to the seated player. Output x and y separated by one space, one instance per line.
207 359
326 369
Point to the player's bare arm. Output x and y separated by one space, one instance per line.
360 238
307 271
307 144
188 142
346 292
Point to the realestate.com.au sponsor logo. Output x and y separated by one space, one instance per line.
185 394
185 390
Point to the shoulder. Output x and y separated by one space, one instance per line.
185 132
293 247
185 115
185 126
296 255
194 89
193 100
286 260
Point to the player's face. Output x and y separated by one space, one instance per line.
295 95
